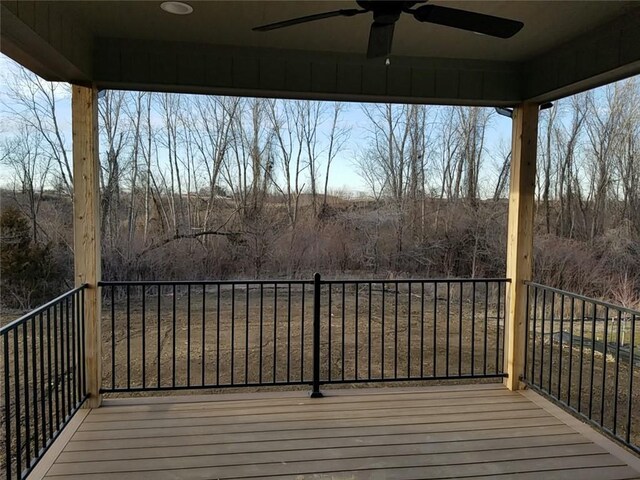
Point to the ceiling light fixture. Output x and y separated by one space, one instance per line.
177 8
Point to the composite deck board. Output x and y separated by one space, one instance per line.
464 419
474 431
203 411
364 437
402 429
410 445
261 418
116 408
297 462
288 451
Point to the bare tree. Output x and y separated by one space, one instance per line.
23 155
33 101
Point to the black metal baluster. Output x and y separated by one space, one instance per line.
593 358
542 320
616 378
55 365
409 332
460 307
570 373
27 412
355 352
129 339
486 325
233 330
473 329
289 332
395 332
499 365
203 341
316 337
343 336
82 343
552 321
435 324
173 339
63 367
69 344
535 333
527 328
113 338
275 330
330 316
158 346
421 329
604 364
71 352
143 335
188 335
448 314
7 405
261 324
383 335
370 335
50 381
581 361
16 392
43 402
246 336
560 348
631 372
80 354
302 349
34 388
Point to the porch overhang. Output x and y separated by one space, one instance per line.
564 48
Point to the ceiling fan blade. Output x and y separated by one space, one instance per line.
465 20
380 39
309 18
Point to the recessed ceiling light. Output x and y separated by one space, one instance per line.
177 8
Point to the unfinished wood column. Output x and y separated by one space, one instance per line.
86 227
520 236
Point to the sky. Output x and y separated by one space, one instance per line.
344 176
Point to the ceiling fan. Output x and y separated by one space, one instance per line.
386 13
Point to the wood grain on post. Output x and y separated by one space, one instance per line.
520 236
86 226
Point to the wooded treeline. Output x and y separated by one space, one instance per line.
224 187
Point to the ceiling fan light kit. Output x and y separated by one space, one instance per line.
386 14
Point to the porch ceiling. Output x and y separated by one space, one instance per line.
565 47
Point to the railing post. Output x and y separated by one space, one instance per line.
316 337
520 237
86 228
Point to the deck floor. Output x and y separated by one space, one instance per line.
475 431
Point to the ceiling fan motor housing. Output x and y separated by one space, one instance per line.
385 12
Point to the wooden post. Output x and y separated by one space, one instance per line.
520 236
86 227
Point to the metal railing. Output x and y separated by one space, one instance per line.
209 334
44 378
582 353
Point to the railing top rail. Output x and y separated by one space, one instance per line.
110 283
115 283
418 280
33 313
586 299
